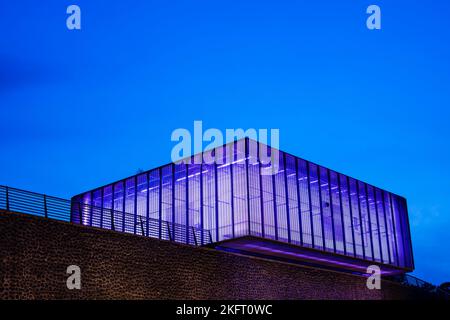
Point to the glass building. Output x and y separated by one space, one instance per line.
303 212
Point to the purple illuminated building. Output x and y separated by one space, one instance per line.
304 213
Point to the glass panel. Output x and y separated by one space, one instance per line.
194 201
255 194
365 218
315 206
280 200
291 177
107 205
130 226
118 205
96 209
86 209
224 201
154 183
358 222
406 233
209 203
382 226
344 198
376 239
268 206
179 230
166 201
302 178
399 231
142 204
390 228
338 215
326 208
239 189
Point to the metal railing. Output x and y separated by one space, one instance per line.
22 201
412 281
32 203
107 218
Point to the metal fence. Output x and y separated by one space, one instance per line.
121 221
411 281
32 203
22 201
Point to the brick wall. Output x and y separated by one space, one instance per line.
35 252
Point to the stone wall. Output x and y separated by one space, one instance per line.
35 253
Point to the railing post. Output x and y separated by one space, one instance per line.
195 237
7 198
45 206
210 236
112 220
168 230
142 225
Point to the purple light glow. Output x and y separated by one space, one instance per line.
303 203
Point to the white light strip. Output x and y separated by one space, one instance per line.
227 164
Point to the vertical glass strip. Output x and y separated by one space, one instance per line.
365 219
391 228
347 215
153 210
209 203
385 252
254 191
358 221
194 200
96 208
240 209
180 203
129 205
261 193
118 205
107 204
305 200
292 199
280 201
326 209
407 234
337 213
399 231
224 200
141 203
135 205
268 204
216 199
374 228
247 184
166 201
316 206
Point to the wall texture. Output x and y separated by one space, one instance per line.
35 252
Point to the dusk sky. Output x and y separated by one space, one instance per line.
82 108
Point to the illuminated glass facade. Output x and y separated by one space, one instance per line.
303 204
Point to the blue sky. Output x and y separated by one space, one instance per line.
80 109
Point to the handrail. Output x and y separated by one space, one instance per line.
412 281
28 202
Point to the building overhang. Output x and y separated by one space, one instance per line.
291 253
